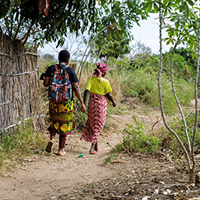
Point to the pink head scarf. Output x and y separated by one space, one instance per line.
101 69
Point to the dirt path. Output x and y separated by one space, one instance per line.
44 176
48 176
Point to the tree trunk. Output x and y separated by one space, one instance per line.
192 174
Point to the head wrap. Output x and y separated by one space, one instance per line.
101 69
63 56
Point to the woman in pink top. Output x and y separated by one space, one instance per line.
99 89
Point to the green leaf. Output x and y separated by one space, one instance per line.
165 2
118 27
156 7
177 2
191 3
187 11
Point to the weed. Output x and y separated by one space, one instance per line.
92 185
110 158
134 139
21 143
120 109
109 144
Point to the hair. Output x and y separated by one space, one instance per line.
63 56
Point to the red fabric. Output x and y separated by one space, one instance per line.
62 139
96 118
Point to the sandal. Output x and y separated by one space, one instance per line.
93 152
49 146
61 154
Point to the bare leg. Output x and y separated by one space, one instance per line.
52 140
92 149
96 148
52 135
62 139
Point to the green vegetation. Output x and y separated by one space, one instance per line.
110 158
134 139
140 79
23 142
171 143
145 87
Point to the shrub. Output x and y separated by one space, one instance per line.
134 139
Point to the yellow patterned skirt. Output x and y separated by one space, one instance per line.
61 116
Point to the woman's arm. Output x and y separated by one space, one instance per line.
110 98
78 95
46 81
86 94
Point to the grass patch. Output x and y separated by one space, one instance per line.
170 142
145 86
134 139
120 110
110 158
23 142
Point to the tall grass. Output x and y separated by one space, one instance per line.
145 86
23 141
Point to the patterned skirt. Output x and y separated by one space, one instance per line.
96 118
61 116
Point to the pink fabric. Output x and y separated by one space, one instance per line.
96 118
101 68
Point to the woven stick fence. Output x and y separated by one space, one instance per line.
20 97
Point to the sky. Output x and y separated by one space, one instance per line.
147 33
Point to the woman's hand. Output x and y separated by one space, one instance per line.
83 108
114 104
110 98
78 95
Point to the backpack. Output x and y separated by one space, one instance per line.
60 88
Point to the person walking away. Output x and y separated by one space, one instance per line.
99 89
62 81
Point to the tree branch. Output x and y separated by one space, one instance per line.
25 38
176 98
196 93
19 24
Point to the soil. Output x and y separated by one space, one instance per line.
136 176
